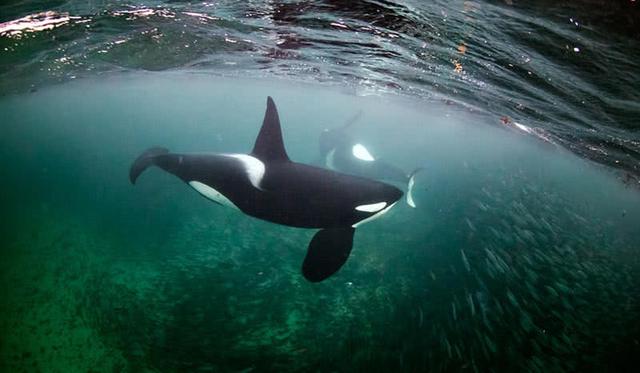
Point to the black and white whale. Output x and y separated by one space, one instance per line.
341 152
267 185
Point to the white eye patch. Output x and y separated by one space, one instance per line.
360 152
372 207
374 216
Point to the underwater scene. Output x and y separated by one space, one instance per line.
324 186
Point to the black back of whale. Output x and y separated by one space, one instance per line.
290 193
287 193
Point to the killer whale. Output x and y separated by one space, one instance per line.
341 152
267 185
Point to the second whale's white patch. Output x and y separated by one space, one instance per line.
329 159
360 152
212 194
371 207
254 167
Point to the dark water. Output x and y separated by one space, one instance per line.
521 256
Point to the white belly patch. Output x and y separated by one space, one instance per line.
212 194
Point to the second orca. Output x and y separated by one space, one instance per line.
341 152
267 185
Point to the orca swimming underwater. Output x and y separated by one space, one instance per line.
267 185
341 152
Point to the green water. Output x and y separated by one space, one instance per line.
519 257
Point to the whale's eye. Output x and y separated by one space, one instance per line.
373 207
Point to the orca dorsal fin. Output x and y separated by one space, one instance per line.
269 145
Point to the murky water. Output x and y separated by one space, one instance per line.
520 256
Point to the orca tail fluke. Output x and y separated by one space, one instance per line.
143 162
412 181
327 253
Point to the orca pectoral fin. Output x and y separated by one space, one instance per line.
327 253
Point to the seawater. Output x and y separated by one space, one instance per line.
520 256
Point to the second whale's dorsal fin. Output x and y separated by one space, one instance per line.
269 145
